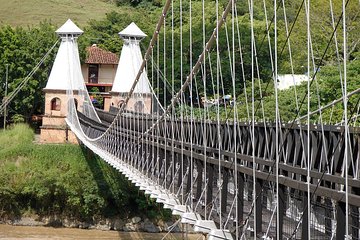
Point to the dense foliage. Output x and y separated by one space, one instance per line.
22 48
325 56
66 180
137 2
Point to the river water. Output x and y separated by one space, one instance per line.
42 233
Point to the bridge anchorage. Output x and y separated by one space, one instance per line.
221 126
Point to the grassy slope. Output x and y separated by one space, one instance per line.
62 179
31 12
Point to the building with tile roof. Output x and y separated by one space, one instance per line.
96 55
99 71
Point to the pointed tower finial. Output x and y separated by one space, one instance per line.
132 31
130 62
129 65
69 28
65 66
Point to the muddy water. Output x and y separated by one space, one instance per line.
42 233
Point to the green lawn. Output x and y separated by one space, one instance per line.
31 12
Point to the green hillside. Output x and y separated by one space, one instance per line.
31 12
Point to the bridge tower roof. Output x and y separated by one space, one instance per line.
69 28
67 62
130 62
132 31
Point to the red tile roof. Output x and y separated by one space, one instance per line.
97 55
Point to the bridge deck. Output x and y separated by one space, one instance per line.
166 156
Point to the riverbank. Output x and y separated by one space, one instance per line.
135 224
42 233
66 185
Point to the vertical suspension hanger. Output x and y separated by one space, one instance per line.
172 92
218 129
308 209
205 140
164 106
346 126
182 102
251 3
277 121
191 107
235 120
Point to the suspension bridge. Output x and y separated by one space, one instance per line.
207 136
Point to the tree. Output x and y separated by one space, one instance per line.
22 49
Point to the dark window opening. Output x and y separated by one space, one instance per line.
55 104
93 73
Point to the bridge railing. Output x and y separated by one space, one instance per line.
165 159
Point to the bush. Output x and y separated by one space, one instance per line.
18 118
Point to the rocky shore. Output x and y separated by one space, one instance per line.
135 224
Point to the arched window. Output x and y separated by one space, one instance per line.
139 107
56 104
